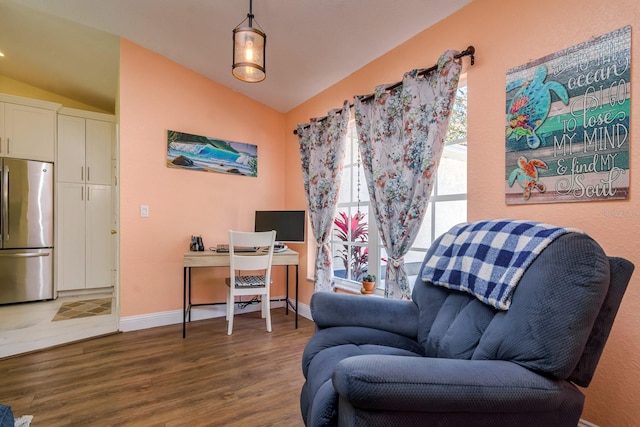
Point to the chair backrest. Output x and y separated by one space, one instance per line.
251 261
560 316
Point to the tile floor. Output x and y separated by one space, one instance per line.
27 327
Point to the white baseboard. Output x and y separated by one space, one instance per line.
173 317
583 423
303 310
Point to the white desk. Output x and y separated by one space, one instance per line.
215 259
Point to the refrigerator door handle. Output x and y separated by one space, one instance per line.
5 201
4 209
24 255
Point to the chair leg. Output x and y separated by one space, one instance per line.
230 307
267 311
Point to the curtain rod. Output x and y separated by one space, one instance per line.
469 51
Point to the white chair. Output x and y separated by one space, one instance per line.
250 272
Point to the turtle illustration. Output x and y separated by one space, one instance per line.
527 176
530 105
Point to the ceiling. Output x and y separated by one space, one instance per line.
71 47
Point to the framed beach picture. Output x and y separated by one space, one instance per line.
202 153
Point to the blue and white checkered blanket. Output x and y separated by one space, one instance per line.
488 258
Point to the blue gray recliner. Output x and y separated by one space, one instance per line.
446 358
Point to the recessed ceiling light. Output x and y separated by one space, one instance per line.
1 54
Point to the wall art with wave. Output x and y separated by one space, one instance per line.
201 153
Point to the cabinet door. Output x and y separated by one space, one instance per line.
98 249
70 251
3 139
71 149
30 132
99 141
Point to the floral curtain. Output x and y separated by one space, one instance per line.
401 135
322 147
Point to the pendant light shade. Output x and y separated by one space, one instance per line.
249 46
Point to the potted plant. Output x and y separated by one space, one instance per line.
368 284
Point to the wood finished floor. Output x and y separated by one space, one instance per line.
153 377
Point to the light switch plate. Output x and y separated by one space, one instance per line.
144 211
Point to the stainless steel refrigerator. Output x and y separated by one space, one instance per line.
26 230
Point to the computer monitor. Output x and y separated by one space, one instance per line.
289 225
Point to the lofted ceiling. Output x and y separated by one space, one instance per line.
71 47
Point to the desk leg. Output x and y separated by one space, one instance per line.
286 305
287 294
184 302
189 300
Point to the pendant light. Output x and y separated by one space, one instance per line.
249 46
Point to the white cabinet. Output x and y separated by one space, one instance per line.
98 262
84 150
84 200
71 242
84 239
27 128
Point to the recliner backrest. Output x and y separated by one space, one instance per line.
551 318
451 323
621 271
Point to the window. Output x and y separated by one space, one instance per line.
355 242
353 237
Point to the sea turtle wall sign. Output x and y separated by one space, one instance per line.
567 124
195 152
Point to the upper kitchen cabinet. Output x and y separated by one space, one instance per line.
27 128
85 143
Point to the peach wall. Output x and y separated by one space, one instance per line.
507 34
156 94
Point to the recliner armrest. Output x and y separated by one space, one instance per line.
423 384
398 316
